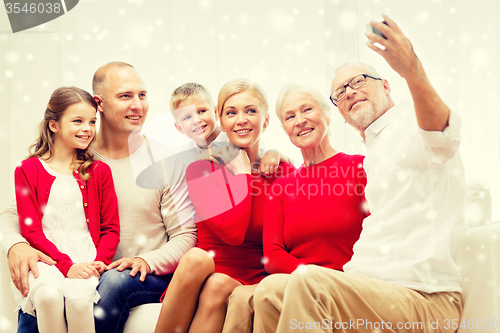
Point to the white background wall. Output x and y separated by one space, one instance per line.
272 42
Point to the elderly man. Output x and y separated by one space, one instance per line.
402 276
157 226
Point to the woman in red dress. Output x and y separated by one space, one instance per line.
228 195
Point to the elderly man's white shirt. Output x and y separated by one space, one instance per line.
415 191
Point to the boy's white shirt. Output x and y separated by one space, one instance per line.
219 141
193 150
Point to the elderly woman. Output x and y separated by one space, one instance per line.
314 215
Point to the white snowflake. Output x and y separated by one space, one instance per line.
422 17
5 325
243 19
466 39
99 312
302 269
474 214
480 57
385 249
432 215
12 57
141 240
69 76
280 21
205 4
348 20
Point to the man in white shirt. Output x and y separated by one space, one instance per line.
156 226
402 276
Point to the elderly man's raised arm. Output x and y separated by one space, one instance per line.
432 113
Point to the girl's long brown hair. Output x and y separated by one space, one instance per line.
59 101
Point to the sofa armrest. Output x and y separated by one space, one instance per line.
8 315
478 258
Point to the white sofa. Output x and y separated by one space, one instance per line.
478 256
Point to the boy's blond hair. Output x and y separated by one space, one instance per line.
187 90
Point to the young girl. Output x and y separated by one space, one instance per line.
67 209
229 203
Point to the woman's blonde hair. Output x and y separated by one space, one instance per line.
237 86
59 101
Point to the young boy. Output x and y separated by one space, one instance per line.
195 116
194 113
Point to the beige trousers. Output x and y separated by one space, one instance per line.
240 310
318 299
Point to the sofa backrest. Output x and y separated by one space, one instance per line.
478 203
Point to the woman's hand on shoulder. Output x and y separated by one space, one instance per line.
212 154
236 159
270 162
83 270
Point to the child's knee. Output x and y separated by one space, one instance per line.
48 296
79 307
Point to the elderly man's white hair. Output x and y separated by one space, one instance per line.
292 87
369 69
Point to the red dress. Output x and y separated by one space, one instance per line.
229 216
315 215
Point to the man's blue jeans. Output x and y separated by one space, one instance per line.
119 293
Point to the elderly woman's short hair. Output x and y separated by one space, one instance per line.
290 88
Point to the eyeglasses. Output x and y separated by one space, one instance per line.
355 83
